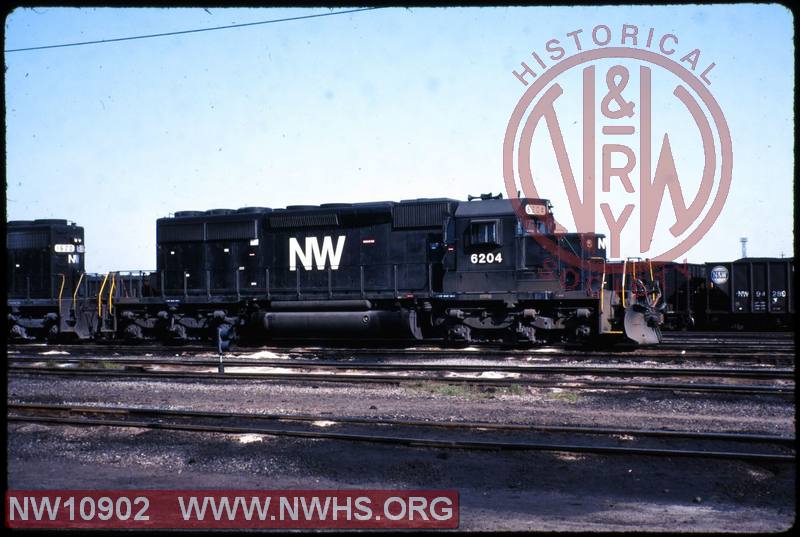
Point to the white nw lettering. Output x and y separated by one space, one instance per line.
312 252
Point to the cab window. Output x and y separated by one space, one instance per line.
483 232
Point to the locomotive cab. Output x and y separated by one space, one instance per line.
513 278
480 241
492 253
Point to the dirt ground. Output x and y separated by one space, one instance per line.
498 490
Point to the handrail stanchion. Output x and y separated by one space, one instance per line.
236 282
60 292
624 273
111 293
75 294
100 296
430 278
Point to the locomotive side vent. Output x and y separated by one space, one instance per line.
218 231
303 220
24 240
179 232
413 215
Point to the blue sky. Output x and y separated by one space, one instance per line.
379 105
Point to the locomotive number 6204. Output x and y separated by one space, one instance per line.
486 258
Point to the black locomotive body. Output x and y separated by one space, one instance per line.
424 268
44 264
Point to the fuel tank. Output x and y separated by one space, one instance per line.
399 324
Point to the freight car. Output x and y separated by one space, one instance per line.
682 284
417 269
749 293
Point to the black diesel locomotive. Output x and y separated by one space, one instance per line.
417 269
44 260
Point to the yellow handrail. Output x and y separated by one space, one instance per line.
624 273
603 288
111 293
100 295
75 294
60 292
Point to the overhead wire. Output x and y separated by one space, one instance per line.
182 32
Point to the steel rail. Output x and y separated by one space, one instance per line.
392 379
371 366
408 441
433 344
732 342
776 334
680 353
471 425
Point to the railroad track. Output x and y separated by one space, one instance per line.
766 335
784 390
579 370
735 343
463 435
677 352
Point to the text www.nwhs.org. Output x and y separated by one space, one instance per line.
315 508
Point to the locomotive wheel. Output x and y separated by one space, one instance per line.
458 335
53 333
